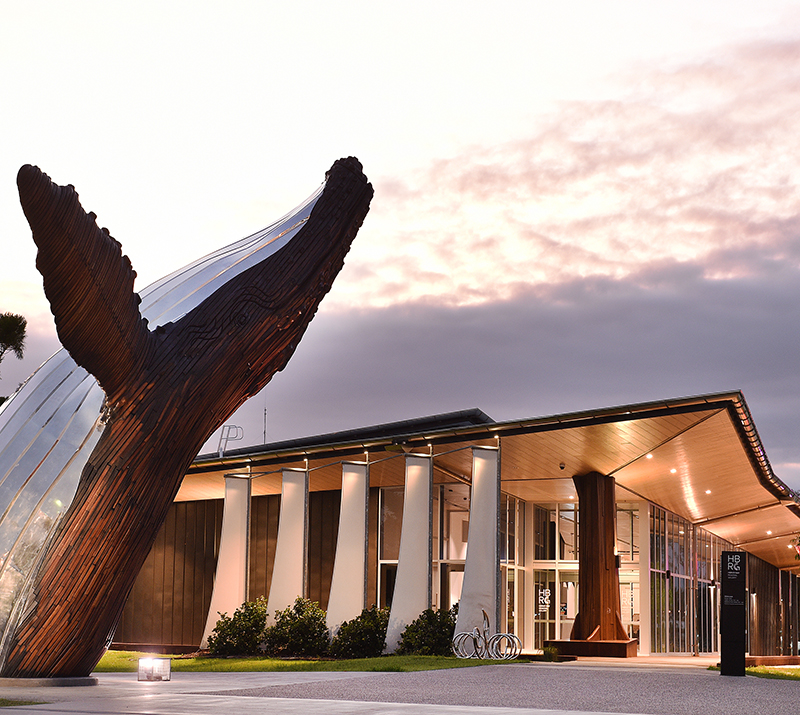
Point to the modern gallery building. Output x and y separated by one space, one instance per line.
459 508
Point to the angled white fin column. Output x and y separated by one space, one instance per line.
348 594
291 548
412 590
481 588
230 578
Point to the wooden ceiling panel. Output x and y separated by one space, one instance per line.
602 448
701 473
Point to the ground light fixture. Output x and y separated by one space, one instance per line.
155 669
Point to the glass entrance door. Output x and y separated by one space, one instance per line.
544 604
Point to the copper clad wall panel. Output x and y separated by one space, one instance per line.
170 597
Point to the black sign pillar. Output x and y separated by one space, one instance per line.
733 612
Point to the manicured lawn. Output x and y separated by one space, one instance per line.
115 661
764 671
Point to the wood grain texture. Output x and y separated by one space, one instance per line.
167 391
598 597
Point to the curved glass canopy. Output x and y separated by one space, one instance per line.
50 426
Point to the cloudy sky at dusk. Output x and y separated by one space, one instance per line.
577 205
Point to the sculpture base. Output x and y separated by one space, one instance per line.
47 682
596 648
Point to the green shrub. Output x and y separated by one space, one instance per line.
363 637
299 630
550 653
242 633
430 634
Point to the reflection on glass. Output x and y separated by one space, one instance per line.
629 603
512 529
567 601
544 615
510 601
452 580
391 522
455 521
628 531
544 542
503 527
568 531
388 575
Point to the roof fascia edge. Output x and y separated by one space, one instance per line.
751 441
487 431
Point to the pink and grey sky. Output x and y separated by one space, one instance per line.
574 207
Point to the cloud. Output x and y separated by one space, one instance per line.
623 251
665 331
691 161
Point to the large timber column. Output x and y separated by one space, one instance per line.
412 590
481 588
598 596
291 547
230 577
348 594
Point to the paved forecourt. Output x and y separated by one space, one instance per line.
511 689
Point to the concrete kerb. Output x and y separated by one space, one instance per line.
48 682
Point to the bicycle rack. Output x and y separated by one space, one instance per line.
479 644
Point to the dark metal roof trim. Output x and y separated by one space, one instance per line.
388 430
746 427
468 425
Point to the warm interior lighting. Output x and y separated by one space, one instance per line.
708 491
769 532
673 470
649 456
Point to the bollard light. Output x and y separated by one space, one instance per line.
154 669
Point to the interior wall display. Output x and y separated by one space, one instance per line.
95 444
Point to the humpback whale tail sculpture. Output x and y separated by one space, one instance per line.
87 475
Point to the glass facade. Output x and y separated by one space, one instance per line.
670 582
389 527
684 580
539 575
553 572
450 533
512 564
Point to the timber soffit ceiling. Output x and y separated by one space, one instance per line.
699 457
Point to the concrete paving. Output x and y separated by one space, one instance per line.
680 686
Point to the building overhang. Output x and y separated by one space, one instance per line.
698 457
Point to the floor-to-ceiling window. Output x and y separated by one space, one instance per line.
708 552
554 572
389 527
627 546
512 563
451 530
684 585
671 608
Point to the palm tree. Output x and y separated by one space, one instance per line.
12 336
